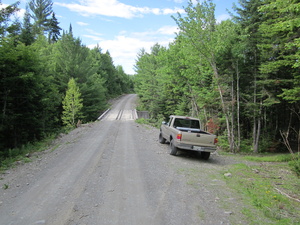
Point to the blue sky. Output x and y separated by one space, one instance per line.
123 27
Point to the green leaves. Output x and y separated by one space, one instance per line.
72 105
280 47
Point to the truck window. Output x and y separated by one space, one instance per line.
187 123
170 121
177 123
195 124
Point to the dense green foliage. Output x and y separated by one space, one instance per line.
36 64
239 76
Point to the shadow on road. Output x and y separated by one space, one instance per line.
214 158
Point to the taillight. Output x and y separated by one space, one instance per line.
179 136
216 141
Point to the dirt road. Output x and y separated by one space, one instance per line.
114 171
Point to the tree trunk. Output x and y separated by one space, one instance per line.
4 106
225 111
257 129
238 108
256 138
232 117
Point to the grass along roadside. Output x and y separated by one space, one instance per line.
256 191
270 187
26 152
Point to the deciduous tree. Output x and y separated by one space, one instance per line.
72 105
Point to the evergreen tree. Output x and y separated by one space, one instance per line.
93 89
109 73
54 29
280 46
280 68
71 59
41 10
126 82
249 18
70 30
22 94
51 102
94 99
72 105
27 36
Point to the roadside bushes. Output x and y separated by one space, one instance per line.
295 165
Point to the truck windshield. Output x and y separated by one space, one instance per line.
187 123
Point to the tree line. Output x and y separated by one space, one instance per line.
240 76
43 71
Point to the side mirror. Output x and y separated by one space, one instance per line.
164 123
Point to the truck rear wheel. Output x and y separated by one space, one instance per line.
205 155
161 139
173 149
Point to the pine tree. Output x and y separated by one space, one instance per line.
280 48
41 10
54 29
27 36
250 18
72 105
280 51
109 72
70 30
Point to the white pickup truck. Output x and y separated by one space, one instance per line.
185 133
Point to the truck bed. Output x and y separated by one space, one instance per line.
191 130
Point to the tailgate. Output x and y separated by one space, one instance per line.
198 139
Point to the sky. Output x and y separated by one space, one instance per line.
123 27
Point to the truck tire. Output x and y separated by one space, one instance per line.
205 155
173 149
161 139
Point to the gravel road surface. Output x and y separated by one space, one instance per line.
114 171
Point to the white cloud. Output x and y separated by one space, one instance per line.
156 35
178 1
114 8
93 32
125 47
223 17
169 30
19 14
167 11
82 23
2 6
93 37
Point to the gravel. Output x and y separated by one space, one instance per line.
114 171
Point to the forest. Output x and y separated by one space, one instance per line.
49 80
240 76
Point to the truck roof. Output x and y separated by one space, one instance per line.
184 117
